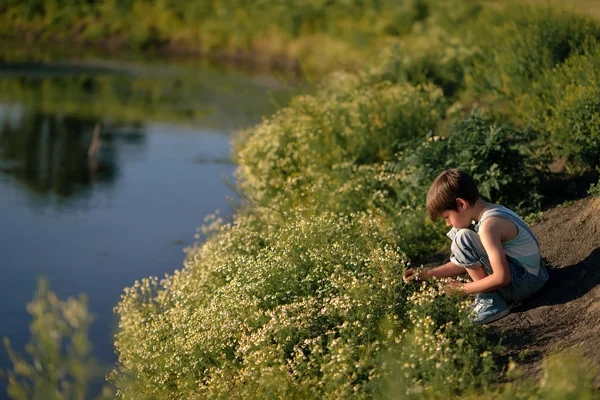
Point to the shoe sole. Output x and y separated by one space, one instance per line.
495 317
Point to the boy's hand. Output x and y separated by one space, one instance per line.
415 275
454 288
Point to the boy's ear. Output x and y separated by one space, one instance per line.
461 204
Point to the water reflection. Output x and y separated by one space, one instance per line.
205 98
59 155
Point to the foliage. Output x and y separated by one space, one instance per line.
330 151
61 365
520 41
567 374
594 189
306 311
564 105
500 159
321 33
436 51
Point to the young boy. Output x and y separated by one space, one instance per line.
499 251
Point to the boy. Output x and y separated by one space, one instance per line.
499 252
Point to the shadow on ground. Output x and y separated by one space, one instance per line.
566 312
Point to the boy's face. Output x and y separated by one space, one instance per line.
457 218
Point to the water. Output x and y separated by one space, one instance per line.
106 170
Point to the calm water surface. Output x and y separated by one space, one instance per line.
106 170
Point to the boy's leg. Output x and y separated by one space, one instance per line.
468 252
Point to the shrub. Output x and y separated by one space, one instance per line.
519 42
594 189
308 151
436 51
564 106
564 375
500 159
59 363
308 311
436 57
503 161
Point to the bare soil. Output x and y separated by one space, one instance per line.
566 312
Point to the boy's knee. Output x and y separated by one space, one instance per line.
466 237
467 249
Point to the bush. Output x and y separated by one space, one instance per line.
500 159
594 189
503 161
306 153
308 311
437 50
564 105
564 375
519 42
435 57
59 363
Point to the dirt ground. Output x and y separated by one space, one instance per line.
566 312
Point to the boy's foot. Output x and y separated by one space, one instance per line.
488 307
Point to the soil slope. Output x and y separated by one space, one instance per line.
566 312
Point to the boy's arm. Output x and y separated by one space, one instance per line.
491 238
446 271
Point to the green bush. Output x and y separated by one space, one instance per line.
325 151
519 42
330 152
501 160
564 105
59 364
594 189
320 33
436 51
564 375
435 57
507 167
316 309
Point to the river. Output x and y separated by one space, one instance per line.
107 167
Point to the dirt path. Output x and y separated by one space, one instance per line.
566 313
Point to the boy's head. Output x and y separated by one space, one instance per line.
449 186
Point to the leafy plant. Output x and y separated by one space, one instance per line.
595 187
563 105
310 310
61 365
520 41
501 160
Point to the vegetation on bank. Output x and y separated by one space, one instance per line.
322 34
300 295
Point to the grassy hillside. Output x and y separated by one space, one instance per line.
300 296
